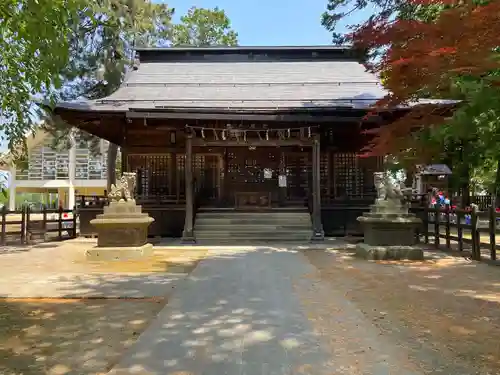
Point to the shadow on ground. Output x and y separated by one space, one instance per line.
59 337
256 323
232 316
88 319
447 302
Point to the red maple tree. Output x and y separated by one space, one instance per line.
421 58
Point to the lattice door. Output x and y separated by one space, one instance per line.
298 172
325 174
246 179
348 176
154 175
181 175
207 173
246 168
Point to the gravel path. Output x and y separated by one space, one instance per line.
255 312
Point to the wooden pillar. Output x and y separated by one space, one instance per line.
188 234
226 199
318 233
124 160
282 172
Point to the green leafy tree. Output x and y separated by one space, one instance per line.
34 44
4 191
82 49
204 28
104 50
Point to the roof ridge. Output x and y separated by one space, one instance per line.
234 84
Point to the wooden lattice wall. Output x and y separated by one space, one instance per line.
343 175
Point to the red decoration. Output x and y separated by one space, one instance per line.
422 58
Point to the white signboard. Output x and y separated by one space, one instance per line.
282 181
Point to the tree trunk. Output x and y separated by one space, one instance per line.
465 188
111 165
464 177
496 188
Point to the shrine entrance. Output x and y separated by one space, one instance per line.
250 177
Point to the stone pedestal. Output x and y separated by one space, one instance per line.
389 232
122 233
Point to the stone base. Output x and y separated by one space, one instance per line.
188 237
318 237
119 253
369 252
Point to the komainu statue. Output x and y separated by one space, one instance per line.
124 188
388 190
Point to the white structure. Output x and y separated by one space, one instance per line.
66 172
430 175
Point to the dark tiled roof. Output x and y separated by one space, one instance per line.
244 79
245 85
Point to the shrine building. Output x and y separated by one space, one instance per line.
244 142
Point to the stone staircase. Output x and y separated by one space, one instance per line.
236 227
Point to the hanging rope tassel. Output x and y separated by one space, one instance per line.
267 135
245 136
216 136
203 133
224 135
289 134
309 132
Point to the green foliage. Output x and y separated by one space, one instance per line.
4 191
203 28
34 44
102 50
69 49
337 10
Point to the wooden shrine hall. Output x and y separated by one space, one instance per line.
220 133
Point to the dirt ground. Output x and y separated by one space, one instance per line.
75 336
448 305
59 337
69 256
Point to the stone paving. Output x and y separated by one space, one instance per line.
246 312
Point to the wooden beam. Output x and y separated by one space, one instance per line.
256 143
153 150
303 118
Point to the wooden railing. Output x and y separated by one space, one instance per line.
91 200
24 225
478 230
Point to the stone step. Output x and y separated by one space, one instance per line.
247 236
254 226
249 233
263 221
249 241
250 215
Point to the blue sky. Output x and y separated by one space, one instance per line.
271 22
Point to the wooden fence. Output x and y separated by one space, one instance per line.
477 230
471 231
23 226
